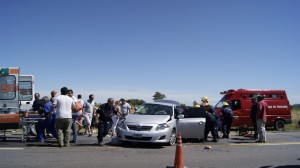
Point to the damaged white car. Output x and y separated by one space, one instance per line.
159 122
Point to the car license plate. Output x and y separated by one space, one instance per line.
137 135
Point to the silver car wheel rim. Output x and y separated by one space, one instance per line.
172 138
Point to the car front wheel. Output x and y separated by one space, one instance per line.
172 138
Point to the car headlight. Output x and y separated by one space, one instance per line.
122 125
162 127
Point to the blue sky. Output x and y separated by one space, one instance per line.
133 48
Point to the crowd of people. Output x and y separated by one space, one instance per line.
65 112
213 119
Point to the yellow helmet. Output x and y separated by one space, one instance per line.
205 99
197 106
225 104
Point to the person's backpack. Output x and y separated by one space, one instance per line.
78 106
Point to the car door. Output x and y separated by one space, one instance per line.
193 123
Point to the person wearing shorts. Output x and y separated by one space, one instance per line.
88 110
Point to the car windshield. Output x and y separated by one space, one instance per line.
220 103
154 109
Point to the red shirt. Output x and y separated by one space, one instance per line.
263 108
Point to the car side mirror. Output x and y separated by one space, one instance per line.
178 111
180 116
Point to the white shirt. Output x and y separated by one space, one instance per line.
89 106
63 106
125 108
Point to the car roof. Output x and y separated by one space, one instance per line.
166 104
168 101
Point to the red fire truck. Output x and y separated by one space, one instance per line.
278 115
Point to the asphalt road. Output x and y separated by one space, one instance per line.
281 151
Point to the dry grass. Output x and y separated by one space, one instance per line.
295 118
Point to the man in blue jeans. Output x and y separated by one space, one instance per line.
75 115
48 123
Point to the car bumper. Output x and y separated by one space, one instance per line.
162 136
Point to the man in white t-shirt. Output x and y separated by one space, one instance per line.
88 111
64 106
125 107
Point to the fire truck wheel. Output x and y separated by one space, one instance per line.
279 125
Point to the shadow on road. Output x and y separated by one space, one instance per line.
240 140
284 166
141 145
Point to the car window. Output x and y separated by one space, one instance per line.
8 87
154 109
194 113
220 103
236 105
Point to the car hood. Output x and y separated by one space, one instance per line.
146 119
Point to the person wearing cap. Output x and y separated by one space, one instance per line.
212 120
261 119
196 104
227 119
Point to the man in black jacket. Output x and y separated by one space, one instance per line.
212 120
105 112
227 119
253 116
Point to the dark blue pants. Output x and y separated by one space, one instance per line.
102 130
40 130
226 126
74 129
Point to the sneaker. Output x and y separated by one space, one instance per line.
73 141
40 140
259 141
100 144
215 140
66 145
90 135
32 133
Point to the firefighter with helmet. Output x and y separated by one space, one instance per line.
212 119
227 119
